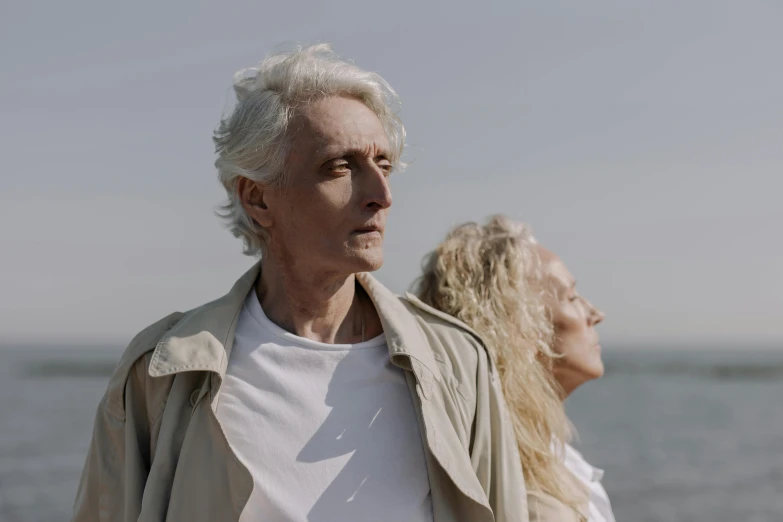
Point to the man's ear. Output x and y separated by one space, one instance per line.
254 198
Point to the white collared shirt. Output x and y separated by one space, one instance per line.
600 509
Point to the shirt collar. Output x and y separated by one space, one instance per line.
580 467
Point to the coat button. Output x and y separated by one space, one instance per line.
194 397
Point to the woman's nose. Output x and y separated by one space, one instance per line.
595 315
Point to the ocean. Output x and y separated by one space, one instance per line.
682 435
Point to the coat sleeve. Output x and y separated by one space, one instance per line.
494 452
119 457
117 463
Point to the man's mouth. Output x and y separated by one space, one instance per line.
369 229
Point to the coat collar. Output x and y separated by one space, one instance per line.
404 337
203 338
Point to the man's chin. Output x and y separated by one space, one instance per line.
373 264
367 260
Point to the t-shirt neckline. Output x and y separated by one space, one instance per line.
255 310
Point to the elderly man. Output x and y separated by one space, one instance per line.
309 391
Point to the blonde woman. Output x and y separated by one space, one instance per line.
522 299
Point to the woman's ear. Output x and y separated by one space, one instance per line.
254 200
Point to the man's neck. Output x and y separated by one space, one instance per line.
320 306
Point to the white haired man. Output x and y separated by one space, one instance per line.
309 391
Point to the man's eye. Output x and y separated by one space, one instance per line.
386 167
339 167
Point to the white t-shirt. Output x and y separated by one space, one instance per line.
600 507
328 431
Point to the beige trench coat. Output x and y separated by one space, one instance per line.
159 453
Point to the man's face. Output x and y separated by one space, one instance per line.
330 215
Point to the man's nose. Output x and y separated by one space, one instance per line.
378 190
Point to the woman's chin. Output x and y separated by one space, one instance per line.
597 368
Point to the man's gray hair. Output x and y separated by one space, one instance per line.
253 141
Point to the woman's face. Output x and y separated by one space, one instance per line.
574 319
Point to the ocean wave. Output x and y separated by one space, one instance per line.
69 368
712 371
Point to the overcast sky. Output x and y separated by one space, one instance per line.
642 140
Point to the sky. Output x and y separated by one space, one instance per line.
643 141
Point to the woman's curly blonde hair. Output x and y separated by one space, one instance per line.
490 277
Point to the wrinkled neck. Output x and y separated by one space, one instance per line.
315 305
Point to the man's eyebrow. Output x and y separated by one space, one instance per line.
352 151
